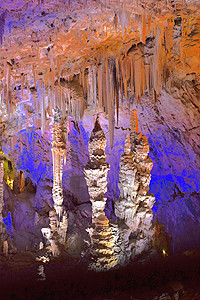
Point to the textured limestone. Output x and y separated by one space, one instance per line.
133 207
58 216
101 235
102 244
1 197
96 169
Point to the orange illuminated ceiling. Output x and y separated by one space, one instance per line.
70 39
117 49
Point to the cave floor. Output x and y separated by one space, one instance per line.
153 278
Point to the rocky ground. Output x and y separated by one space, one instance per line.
156 278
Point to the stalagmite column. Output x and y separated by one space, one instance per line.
3 231
102 240
1 191
96 169
58 218
133 208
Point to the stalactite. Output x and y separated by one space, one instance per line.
142 76
90 86
123 21
22 84
124 78
116 92
59 67
143 28
147 77
168 35
83 79
100 86
94 81
132 76
137 78
35 75
52 62
104 89
8 87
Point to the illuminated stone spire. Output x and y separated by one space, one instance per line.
58 217
58 153
1 189
96 169
127 146
102 240
3 231
133 208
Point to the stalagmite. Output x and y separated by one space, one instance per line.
102 240
1 192
5 248
57 216
135 229
3 231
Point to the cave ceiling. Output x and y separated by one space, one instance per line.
95 52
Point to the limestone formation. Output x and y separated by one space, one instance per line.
57 216
3 231
58 153
133 208
102 239
1 192
102 244
96 169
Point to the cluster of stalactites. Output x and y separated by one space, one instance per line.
109 75
116 78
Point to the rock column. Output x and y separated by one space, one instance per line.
102 240
57 216
1 191
133 208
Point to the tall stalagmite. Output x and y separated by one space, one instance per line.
1 192
102 240
133 208
58 217
3 231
